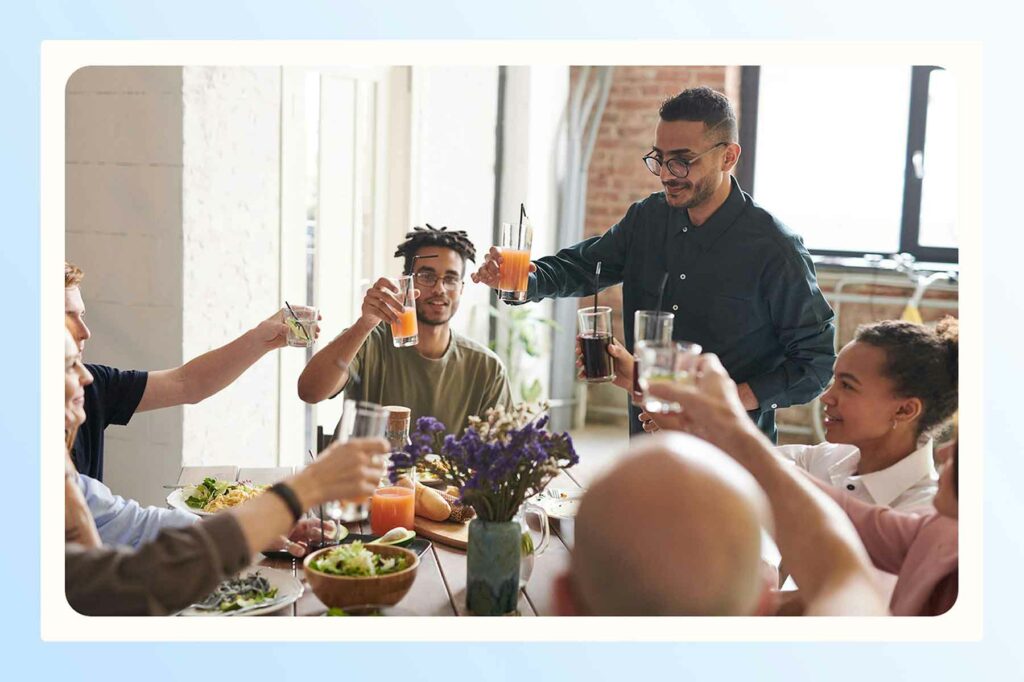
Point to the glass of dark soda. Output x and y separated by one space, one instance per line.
595 334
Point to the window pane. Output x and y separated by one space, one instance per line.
938 186
831 150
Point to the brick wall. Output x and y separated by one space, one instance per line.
617 177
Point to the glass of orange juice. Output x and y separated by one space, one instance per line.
391 507
394 506
514 272
405 331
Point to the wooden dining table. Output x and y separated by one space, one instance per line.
440 585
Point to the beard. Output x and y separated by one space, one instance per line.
426 315
700 190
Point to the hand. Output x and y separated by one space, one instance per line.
652 422
711 408
747 397
381 303
272 333
346 471
489 270
308 531
622 364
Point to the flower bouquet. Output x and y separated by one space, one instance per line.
498 462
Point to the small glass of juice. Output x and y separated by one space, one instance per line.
405 330
514 272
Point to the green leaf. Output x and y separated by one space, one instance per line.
532 392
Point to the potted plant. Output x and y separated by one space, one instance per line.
497 463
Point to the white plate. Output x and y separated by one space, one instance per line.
557 506
176 500
289 589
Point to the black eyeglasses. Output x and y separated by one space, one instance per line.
677 167
429 280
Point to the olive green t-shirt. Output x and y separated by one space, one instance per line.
466 381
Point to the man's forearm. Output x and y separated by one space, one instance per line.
326 373
817 541
213 371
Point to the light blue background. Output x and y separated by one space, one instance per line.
24 25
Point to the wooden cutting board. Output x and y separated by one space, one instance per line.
446 532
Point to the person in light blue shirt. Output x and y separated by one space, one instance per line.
126 522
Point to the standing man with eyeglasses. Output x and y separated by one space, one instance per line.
445 375
740 283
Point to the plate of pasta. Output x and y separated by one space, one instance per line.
212 495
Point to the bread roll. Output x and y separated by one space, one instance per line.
430 504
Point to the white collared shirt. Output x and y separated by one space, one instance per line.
908 485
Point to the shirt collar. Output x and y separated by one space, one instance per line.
720 220
888 484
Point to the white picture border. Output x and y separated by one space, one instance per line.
60 59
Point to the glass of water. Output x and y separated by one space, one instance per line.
301 325
651 326
675 362
358 420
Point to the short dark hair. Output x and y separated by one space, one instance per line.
420 237
922 362
706 105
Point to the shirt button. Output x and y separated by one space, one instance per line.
775 406
675 307
685 228
682 276
850 486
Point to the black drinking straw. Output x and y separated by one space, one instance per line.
597 278
661 290
522 214
298 321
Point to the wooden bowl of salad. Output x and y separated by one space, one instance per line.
354 573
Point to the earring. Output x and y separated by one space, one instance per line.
893 424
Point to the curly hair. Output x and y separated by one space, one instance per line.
72 275
922 363
706 105
420 237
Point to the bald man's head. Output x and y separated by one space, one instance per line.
672 529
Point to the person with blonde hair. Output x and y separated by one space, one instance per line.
115 395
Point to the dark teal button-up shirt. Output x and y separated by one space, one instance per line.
742 285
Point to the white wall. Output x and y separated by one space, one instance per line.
123 228
454 112
231 231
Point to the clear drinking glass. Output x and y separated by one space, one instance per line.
594 336
301 325
674 362
392 505
534 522
406 332
651 326
358 420
514 272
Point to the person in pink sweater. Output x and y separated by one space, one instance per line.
921 549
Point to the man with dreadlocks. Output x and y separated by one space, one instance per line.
446 375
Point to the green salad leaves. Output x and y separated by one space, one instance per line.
356 561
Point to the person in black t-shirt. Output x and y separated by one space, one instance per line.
115 395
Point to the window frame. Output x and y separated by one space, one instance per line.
910 219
